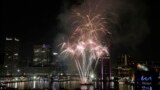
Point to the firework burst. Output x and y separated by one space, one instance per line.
85 45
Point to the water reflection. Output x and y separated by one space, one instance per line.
74 85
22 84
15 86
87 87
34 84
55 86
29 85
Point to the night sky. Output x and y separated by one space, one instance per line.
38 22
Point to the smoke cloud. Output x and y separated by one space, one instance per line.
126 20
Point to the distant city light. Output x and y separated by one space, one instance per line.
34 77
16 39
8 39
54 53
44 59
9 56
44 46
92 76
43 51
36 59
143 78
37 50
16 79
16 54
142 67
18 70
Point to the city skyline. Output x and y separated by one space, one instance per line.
80 45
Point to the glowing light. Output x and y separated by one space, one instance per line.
142 67
8 39
18 70
85 45
34 77
16 84
34 84
16 39
16 79
92 76
146 78
54 53
5 66
16 54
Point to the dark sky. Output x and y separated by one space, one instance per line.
36 22
31 21
154 13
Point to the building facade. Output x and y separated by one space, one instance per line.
103 69
41 55
11 58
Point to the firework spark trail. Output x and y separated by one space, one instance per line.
85 45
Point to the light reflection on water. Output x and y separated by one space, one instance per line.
34 84
29 85
85 87
72 85
15 85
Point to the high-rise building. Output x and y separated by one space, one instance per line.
104 68
41 55
11 51
2 40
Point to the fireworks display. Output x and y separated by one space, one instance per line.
85 45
